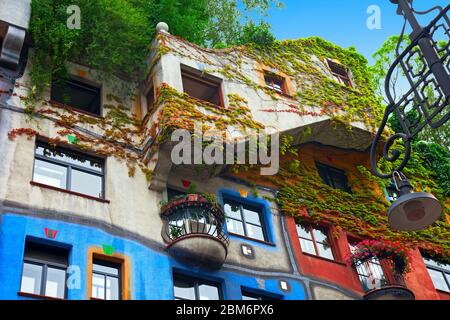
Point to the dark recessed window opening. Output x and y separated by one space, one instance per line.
150 99
315 240
275 82
245 220
439 273
78 95
66 169
106 280
44 270
340 73
370 272
252 296
174 194
187 288
201 86
333 177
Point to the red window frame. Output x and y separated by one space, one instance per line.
324 229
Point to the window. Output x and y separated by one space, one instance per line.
174 194
333 177
78 95
69 170
274 82
44 270
253 296
106 280
314 240
186 288
340 73
245 220
370 272
439 273
150 98
201 86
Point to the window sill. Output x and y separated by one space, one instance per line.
251 239
65 106
41 185
37 296
324 259
443 291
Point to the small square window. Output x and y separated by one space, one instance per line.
78 95
333 177
275 82
201 86
340 73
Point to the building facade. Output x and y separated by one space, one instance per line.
93 207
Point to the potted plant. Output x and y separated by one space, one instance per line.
393 252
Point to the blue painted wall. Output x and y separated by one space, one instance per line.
151 271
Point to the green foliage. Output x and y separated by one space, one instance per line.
384 57
115 34
257 34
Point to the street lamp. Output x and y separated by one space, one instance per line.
431 73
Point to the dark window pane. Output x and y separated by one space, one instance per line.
78 95
174 194
56 283
274 82
50 174
150 99
333 177
105 269
87 183
247 297
70 157
31 278
208 292
201 88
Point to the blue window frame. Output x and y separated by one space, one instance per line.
193 288
245 219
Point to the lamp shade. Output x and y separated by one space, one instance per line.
414 211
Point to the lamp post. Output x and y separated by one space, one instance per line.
426 66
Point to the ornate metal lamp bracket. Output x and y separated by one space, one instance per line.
425 63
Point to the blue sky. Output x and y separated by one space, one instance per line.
343 22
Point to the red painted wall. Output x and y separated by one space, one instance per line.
345 276
337 271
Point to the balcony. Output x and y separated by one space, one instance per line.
392 288
193 231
